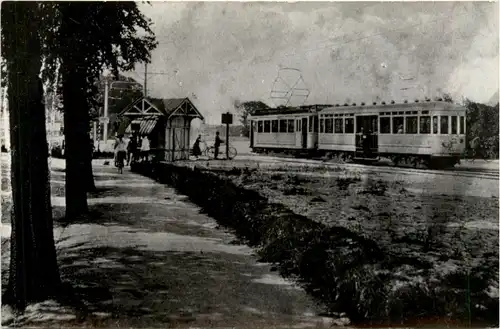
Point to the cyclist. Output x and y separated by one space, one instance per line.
474 148
120 153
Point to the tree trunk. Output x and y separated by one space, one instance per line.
76 123
76 115
33 274
90 176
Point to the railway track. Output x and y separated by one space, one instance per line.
463 171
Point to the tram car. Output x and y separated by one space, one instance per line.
429 132
287 130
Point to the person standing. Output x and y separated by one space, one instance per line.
474 146
132 149
145 148
217 144
196 147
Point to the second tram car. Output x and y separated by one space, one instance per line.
288 130
432 133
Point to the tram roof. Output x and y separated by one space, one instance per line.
291 110
408 105
352 107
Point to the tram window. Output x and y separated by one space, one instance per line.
283 126
454 124
329 126
310 124
385 125
462 125
374 126
434 124
321 125
397 125
444 125
411 125
425 124
291 127
274 126
349 125
259 126
338 126
315 124
267 126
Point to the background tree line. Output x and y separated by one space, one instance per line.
482 122
67 45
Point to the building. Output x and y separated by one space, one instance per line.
167 123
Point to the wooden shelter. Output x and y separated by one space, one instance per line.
167 122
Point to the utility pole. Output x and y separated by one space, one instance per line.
5 116
145 80
145 91
227 138
105 116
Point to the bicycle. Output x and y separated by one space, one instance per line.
120 162
210 152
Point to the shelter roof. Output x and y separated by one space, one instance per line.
147 106
146 125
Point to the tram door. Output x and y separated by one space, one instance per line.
304 133
366 136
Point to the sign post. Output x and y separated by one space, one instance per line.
227 118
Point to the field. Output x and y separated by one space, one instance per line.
442 249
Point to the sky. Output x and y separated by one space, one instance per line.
219 53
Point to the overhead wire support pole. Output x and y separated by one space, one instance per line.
145 79
145 92
227 138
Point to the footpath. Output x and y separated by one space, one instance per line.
147 257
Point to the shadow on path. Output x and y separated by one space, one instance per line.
137 287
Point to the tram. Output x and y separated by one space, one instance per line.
429 132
